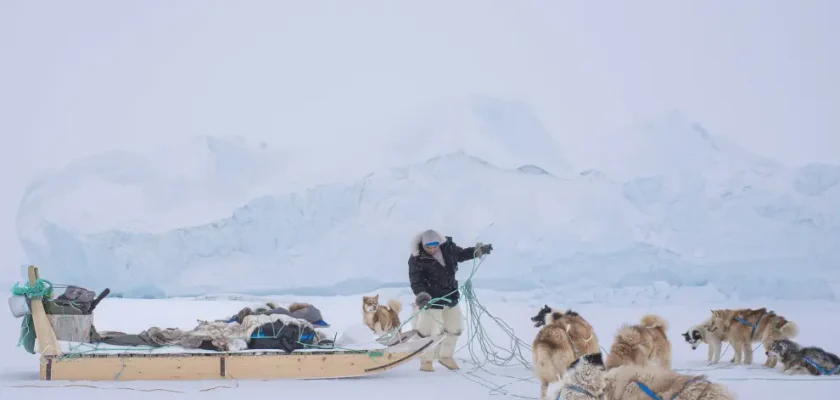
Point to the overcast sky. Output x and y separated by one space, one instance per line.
80 77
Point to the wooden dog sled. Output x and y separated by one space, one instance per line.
138 364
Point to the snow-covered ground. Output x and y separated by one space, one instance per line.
819 322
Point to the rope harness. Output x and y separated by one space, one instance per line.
753 326
644 388
572 342
822 370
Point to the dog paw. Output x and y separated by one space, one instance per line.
789 372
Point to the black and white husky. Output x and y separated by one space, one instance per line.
705 333
804 360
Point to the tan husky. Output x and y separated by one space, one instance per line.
744 326
564 337
381 319
643 344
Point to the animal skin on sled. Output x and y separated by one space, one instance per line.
220 336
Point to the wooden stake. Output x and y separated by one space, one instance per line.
47 343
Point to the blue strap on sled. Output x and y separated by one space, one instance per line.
754 326
307 337
822 370
258 333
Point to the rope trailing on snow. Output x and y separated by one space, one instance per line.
476 330
502 356
489 352
482 349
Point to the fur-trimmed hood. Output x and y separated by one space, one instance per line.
416 241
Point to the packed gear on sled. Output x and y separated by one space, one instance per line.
287 337
277 331
63 311
304 311
262 346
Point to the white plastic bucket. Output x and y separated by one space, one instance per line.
17 304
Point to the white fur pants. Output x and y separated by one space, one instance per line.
433 322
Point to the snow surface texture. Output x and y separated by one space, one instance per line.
670 207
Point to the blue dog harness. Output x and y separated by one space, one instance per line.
822 370
754 326
654 396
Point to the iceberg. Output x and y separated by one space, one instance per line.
747 226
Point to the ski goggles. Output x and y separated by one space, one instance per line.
431 245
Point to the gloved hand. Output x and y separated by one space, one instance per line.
422 299
482 249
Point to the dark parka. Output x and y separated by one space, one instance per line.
427 275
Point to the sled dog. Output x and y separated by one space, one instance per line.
642 344
381 319
583 380
804 360
563 337
743 327
705 333
588 379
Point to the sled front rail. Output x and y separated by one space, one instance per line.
312 364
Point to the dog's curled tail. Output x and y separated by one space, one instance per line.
789 330
654 321
395 305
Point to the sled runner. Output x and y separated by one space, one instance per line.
61 360
248 364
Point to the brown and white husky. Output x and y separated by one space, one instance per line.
381 319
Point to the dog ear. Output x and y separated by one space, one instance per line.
685 335
594 359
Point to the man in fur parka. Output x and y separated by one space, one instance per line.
431 271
